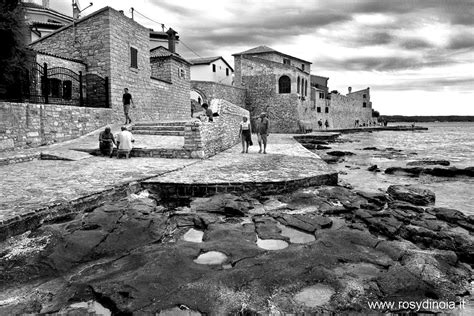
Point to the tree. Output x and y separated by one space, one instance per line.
375 113
13 51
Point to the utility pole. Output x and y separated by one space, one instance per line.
132 9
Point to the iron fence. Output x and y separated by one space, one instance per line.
59 85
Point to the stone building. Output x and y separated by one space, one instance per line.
42 20
213 69
295 101
276 83
114 46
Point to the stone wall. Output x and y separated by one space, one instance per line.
342 112
214 90
206 139
31 125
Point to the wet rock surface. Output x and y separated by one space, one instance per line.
136 256
435 172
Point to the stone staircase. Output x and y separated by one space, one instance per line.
165 128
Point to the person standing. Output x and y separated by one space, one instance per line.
208 112
262 132
326 124
246 134
106 142
124 143
127 101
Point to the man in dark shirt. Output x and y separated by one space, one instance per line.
127 101
262 132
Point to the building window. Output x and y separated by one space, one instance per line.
298 85
227 72
364 105
318 109
364 96
133 57
302 86
284 84
326 110
302 67
321 95
55 87
67 90
306 87
286 61
213 68
181 73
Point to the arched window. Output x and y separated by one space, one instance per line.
306 87
298 85
284 84
302 86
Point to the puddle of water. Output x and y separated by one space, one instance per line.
271 244
92 307
193 235
295 236
211 257
176 311
314 296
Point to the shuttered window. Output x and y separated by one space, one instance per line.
133 57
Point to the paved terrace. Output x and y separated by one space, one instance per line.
36 190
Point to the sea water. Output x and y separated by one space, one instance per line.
453 141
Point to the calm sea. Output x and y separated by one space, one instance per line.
447 141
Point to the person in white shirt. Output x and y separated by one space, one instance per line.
124 142
246 134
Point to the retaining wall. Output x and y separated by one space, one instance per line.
204 139
31 125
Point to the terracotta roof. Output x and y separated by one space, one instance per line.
55 55
208 61
162 52
39 6
258 50
265 49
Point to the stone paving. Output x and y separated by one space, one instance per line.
286 160
29 186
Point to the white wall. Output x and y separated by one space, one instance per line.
205 73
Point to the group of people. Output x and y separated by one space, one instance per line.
320 124
262 129
123 141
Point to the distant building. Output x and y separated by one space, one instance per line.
42 20
282 86
214 69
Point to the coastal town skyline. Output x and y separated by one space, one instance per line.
416 57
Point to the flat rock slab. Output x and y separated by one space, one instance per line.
70 155
285 161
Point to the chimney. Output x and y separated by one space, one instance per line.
350 89
46 4
171 40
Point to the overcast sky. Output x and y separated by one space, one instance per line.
416 56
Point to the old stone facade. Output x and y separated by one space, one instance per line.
277 84
114 46
282 86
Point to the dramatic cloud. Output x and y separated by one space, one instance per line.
371 42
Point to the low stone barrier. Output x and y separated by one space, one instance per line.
205 139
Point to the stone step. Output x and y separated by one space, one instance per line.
154 132
162 123
158 128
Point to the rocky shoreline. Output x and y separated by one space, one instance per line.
317 249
